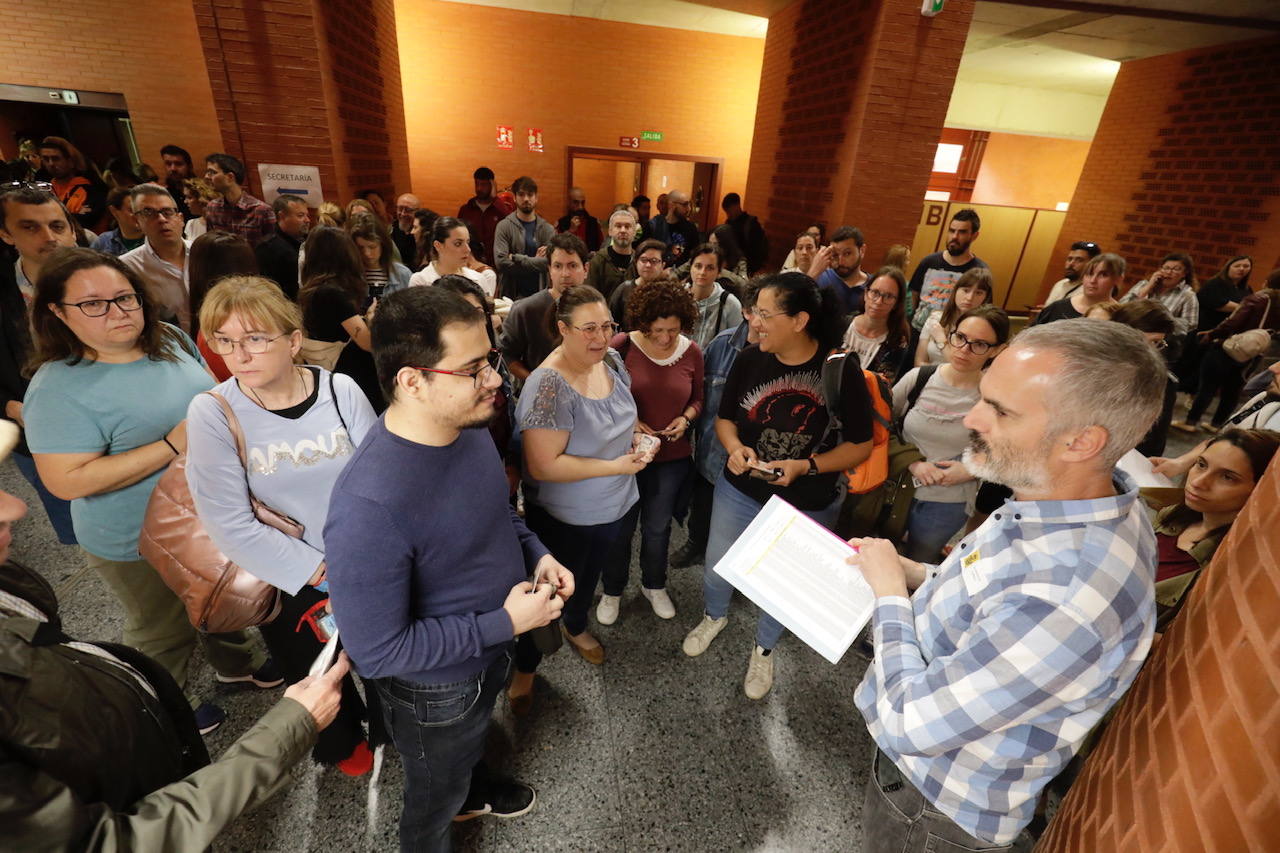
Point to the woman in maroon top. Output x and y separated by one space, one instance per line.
666 381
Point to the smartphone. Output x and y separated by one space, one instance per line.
761 471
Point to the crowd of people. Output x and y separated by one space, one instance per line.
473 421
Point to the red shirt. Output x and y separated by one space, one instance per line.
662 393
1172 560
482 223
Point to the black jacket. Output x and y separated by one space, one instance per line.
278 261
405 246
752 241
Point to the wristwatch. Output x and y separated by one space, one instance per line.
813 465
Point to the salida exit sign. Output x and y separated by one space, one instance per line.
651 135
929 8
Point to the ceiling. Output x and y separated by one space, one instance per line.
1080 51
744 18
1025 69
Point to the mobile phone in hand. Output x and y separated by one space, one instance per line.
761 471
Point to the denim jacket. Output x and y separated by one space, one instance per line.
709 455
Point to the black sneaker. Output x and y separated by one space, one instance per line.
267 675
209 717
688 556
504 799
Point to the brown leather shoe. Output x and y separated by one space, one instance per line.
592 655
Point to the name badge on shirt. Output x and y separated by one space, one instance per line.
969 571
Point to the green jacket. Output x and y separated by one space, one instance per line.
99 751
1171 521
604 276
883 511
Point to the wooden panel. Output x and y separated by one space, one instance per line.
928 231
1037 256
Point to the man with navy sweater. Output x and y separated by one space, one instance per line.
427 562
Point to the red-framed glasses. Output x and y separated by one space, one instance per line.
478 376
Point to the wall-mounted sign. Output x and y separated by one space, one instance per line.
629 141
70 97
303 181
929 8
506 137
535 140
651 135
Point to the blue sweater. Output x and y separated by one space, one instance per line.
422 549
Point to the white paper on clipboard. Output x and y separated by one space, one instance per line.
1139 468
327 656
794 569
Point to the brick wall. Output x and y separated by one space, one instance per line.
582 81
1191 761
853 96
1186 158
149 51
362 81
309 83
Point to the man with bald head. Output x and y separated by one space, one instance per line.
402 232
989 677
675 229
578 221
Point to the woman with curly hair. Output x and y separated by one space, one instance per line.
666 380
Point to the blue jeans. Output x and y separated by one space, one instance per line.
659 484
440 731
58 510
930 526
731 512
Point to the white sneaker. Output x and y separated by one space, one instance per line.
660 601
607 609
759 674
699 639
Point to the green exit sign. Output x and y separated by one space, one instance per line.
651 135
929 8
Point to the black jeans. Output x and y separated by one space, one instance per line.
896 818
699 526
660 484
294 649
1219 372
439 731
583 550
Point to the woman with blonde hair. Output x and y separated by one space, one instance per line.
196 193
301 425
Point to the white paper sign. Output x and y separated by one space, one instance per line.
794 569
302 181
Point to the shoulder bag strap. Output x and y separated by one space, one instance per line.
922 379
336 407
237 432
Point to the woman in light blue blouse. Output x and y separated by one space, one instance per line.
577 421
105 416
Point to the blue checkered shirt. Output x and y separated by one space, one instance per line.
987 680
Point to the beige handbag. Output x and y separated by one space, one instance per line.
321 353
1247 346
219 595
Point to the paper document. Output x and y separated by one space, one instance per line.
794 569
1139 468
327 656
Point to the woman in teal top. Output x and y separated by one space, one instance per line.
105 415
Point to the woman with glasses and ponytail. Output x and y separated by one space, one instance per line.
931 403
577 422
301 425
106 414
775 423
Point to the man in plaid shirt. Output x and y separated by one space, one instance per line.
235 210
987 679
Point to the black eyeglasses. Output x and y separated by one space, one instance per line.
164 212
959 340
100 307
478 376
